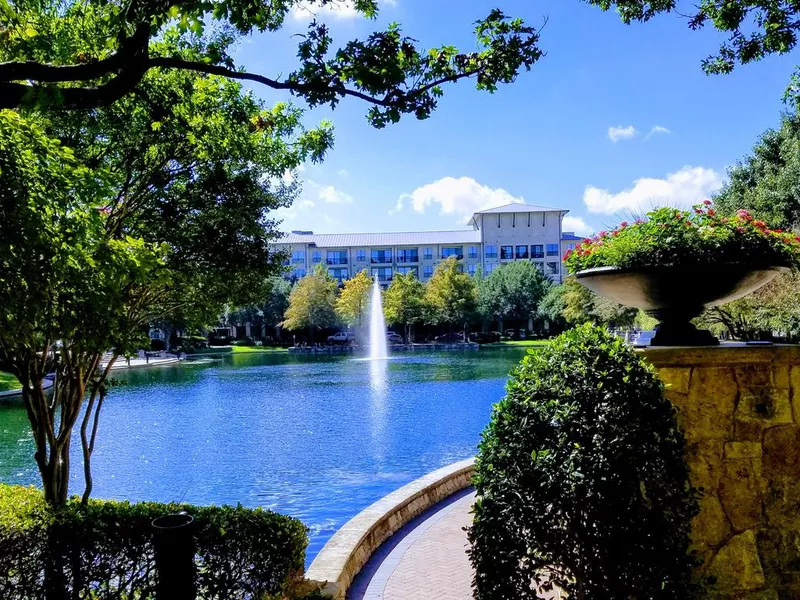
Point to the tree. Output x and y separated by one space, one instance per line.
755 28
584 306
552 306
450 295
353 301
403 302
489 299
312 303
513 291
66 292
83 55
767 181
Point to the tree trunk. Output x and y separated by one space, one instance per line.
167 336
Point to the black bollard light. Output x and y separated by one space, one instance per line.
174 546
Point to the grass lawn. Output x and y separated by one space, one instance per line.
8 382
246 349
522 343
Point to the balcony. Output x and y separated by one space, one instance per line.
386 260
458 256
408 259
336 261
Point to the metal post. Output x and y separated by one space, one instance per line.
174 546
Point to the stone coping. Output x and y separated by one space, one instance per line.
725 354
349 549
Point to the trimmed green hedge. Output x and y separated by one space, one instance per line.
581 480
105 550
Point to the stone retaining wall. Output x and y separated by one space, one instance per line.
349 549
740 409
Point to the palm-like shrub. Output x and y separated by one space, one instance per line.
581 480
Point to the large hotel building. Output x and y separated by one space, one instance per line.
498 235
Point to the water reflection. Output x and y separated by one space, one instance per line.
378 389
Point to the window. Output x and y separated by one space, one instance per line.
427 271
382 273
506 252
552 268
286 262
471 270
336 257
522 251
338 274
537 251
428 254
298 273
316 256
552 249
540 266
407 270
570 246
361 255
381 257
298 257
408 256
491 252
458 252
489 268
473 252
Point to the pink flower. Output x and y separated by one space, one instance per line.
707 202
623 225
698 211
567 254
740 229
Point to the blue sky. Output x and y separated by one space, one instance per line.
614 118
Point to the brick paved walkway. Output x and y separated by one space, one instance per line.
425 560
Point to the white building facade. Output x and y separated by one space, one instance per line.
498 235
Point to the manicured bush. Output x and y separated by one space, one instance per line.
105 550
581 480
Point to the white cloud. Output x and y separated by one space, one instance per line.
295 211
459 197
656 129
576 224
344 173
616 134
683 188
331 195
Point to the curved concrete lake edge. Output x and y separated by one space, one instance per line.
346 553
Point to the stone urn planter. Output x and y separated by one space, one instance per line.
676 295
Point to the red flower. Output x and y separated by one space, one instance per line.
698 211
587 241
760 224
742 213
623 225
615 233
707 202
567 254
711 212
688 223
740 229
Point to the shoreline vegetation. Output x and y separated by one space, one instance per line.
8 382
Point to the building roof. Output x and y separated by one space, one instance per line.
569 236
416 238
517 207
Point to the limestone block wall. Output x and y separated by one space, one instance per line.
739 407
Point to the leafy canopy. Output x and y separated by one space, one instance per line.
450 294
755 28
312 303
81 55
403 300
353 302
512 291
581 480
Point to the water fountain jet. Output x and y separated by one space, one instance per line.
377 325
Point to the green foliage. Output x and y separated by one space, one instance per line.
51 43
512 291
771 309
670 237
352 305
755 29
581 480
312 303
581 305
449 295
766 181
403 301
107 547
553 305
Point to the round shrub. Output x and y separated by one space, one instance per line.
581 480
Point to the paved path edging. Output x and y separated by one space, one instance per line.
351 547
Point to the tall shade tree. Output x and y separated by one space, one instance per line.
82 55
754 28
312 303
450 296
353 302
513 291
581 305
268 312
767 182
67 291
403 302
